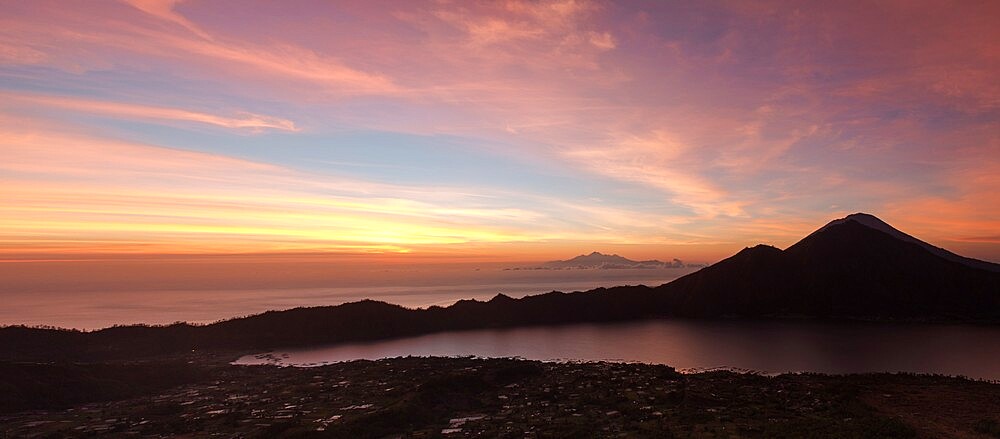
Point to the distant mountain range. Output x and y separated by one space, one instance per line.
603 261
856 267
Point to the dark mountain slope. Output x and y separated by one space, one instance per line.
755 281
845 269
862 271
877 224
351 322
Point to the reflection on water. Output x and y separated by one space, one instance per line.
766 346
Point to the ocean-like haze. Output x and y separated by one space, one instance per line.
204 297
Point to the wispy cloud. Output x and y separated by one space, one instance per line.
239 121
715 122
66 191
90 40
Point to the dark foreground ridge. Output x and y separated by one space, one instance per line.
856 267
466 397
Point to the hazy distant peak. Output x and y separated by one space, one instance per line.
598 257
600 260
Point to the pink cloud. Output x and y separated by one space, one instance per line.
94 42
240 120
734 113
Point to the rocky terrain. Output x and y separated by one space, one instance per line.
468 397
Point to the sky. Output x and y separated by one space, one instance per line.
434 131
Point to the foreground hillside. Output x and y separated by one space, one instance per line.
464 397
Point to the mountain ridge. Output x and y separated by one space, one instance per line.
845 270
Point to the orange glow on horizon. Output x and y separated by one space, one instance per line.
427 132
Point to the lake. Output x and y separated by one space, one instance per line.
696 345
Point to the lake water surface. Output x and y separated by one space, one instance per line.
693 345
